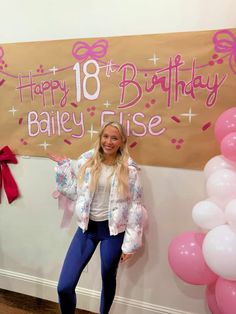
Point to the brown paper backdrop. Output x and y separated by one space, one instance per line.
167 90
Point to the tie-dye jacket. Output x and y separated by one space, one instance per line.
123 214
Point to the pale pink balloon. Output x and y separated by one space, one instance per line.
211 299
222 185
230 213
226 295
228 146
216 163
225 124
187 261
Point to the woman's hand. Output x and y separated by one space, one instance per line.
56 158
125 257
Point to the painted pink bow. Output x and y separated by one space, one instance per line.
82 51
67 205
225 42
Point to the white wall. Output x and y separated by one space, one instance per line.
32 245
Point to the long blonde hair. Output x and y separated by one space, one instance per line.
120 163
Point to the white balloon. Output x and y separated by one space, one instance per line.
207 215
230 213
216 163
219 202
219 251
222 185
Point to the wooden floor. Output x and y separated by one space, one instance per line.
16 303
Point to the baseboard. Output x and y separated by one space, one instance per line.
87 299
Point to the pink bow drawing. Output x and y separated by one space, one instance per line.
225 42
82 51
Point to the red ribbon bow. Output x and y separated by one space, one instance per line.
10 186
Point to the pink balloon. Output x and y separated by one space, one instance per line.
228 146
211 299
226 295
187 261
225 124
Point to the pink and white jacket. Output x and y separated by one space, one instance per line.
124 215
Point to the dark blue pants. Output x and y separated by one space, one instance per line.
80 251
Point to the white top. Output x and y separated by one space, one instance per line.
100 203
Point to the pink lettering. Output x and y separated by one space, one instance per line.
127 83
44 89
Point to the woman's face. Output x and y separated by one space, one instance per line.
111 141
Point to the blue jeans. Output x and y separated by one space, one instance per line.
80 251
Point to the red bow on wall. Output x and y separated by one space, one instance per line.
6 178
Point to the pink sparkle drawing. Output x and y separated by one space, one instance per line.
67 142
147 105
132 145
173 140
176 119
206 126
92 114
20 121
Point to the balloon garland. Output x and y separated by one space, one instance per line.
209 257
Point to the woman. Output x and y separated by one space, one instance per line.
109 210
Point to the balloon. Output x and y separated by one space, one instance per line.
211 299
186 259
222 185
225 292
225 124
228 146
230 213
219 251
207 215
216 163
221 203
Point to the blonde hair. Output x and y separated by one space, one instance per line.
120 163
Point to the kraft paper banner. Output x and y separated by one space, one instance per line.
167 90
